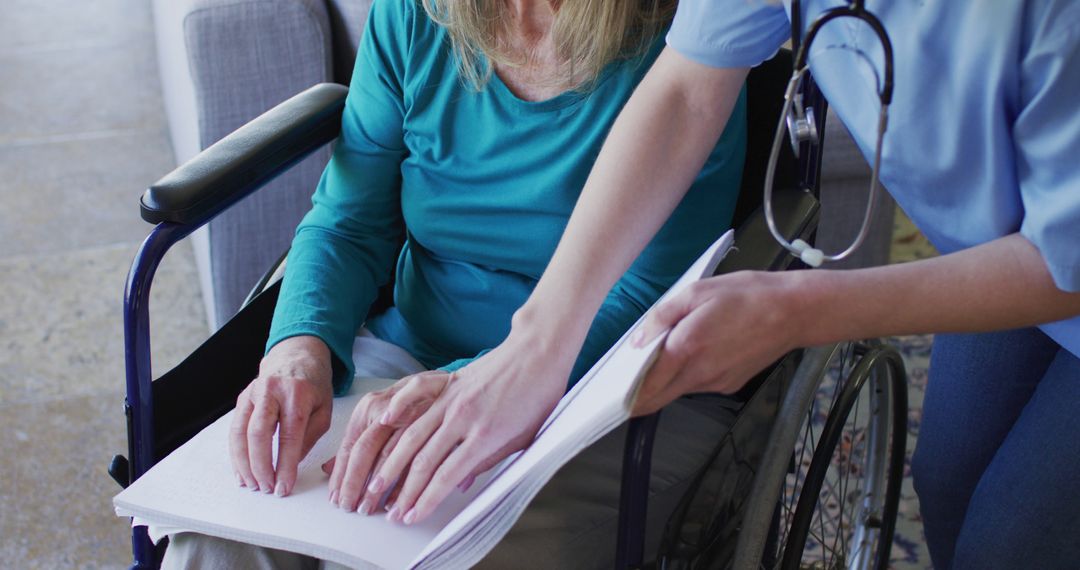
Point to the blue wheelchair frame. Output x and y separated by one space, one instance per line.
182 202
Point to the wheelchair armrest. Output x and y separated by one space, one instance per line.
247 158
796 214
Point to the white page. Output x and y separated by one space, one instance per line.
597 405
703 267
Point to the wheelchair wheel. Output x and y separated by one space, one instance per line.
839 503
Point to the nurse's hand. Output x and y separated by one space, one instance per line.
376 424
491 408
724 330
292 395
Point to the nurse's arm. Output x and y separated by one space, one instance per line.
652 155
727 328
650 158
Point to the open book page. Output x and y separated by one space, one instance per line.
592 413
599 403
704 267
194 487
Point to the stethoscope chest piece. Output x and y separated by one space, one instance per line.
801 125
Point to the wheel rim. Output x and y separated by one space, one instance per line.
848 505
869 514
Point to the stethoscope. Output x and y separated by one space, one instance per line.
802 127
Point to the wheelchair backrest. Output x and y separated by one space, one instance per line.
765 100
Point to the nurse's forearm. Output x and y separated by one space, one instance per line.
652 155
999 285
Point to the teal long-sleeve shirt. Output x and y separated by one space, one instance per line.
481 184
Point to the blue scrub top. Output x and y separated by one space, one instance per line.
984 130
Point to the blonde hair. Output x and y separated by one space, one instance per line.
588 35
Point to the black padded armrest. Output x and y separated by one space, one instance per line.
796 215
247 158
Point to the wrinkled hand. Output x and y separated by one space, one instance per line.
292 395
723 330
376 425
490 409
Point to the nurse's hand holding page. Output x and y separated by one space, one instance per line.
748 314
757 317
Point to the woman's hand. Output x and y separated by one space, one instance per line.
490 409
293 392
723 331
375 426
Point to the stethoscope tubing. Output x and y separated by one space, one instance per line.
812 256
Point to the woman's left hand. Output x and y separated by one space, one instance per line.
377 422
491 408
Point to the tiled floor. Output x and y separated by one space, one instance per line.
82 132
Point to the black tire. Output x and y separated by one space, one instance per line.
861 538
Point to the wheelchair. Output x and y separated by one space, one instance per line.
808 476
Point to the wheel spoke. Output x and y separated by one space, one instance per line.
845 474
850 473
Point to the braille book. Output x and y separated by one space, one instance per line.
194 489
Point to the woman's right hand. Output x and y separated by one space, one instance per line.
293 395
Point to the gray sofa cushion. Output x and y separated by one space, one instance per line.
245 57
347 18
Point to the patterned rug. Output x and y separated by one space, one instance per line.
909 545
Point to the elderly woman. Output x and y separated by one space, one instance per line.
469 129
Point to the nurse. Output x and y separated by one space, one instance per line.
982 152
